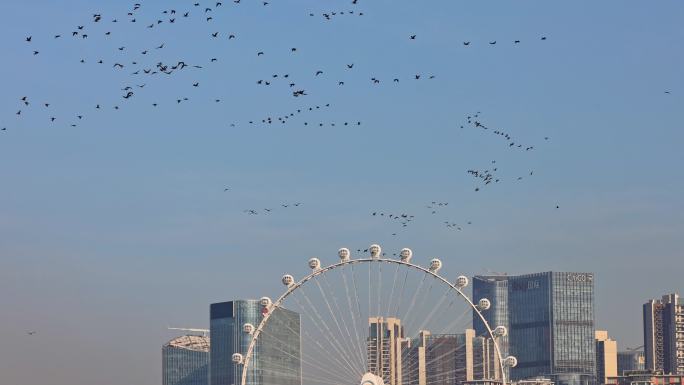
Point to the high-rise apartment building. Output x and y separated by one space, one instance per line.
495 289
444 359
664 334
449 359
277 357
384 349
630 360
551 317
185 361
485 360
606 357
414 361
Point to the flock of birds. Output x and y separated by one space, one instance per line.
433 208
136 62
141 68
271 210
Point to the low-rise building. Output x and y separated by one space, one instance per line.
646 377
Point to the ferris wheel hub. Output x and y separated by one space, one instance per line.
371 379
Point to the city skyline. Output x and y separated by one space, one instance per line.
429 357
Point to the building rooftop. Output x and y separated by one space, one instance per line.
189 342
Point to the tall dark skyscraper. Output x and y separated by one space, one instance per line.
277 357
664 334
551 318
495 289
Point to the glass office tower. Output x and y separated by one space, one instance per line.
277 357
495 289
185 361
630 360
552 332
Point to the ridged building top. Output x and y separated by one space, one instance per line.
189 342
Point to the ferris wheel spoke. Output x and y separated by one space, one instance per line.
340 369
410 355
317 344
362 341
452 372
334 342
391 297
351 351
414 316
401 295
460 353
350 340
286 370
415 295
370 288
453 324
378 311
355 325
312 363
342 363
436 308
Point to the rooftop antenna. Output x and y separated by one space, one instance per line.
193 330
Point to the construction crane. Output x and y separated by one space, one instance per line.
193 330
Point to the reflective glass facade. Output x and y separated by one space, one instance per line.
277 357
495 289
630 360
185 361
552 333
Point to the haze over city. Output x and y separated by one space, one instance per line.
122 215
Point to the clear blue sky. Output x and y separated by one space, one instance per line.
112 230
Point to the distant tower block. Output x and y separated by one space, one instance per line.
385 337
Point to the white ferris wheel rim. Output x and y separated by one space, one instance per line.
349 261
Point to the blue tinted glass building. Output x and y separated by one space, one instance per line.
551 318
630 360
185 361
277 357
495 289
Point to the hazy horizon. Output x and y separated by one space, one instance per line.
114 230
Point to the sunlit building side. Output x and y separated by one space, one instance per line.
384 349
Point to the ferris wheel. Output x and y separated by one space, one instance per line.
372 321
